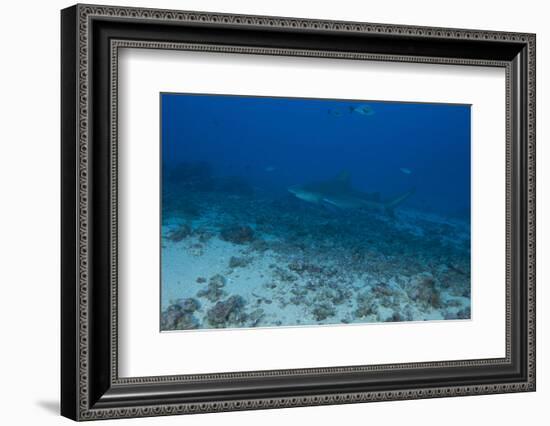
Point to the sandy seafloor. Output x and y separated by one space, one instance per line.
239 264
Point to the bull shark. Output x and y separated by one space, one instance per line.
339 193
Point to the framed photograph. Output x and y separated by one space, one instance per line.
263 212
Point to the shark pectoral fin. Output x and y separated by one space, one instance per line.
331 207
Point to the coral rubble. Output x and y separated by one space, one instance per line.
273 260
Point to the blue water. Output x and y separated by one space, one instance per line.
302 139
228 162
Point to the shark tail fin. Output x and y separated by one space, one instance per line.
390 205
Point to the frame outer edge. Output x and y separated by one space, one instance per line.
83 197
83 13
69 221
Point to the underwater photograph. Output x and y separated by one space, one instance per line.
279 211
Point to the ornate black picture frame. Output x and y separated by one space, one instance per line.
91 387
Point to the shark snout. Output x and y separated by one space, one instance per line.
304 195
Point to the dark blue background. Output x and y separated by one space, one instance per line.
315 139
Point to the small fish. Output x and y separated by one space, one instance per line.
405 170
365 110
270 169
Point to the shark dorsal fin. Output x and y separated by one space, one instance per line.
343 178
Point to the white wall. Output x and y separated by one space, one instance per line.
29 225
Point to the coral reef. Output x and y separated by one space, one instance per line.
179 234
188 305
284 275
255 317
323 311
239 262
366 305
214 290
227 313
237 234
274 260
422 289
179 315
